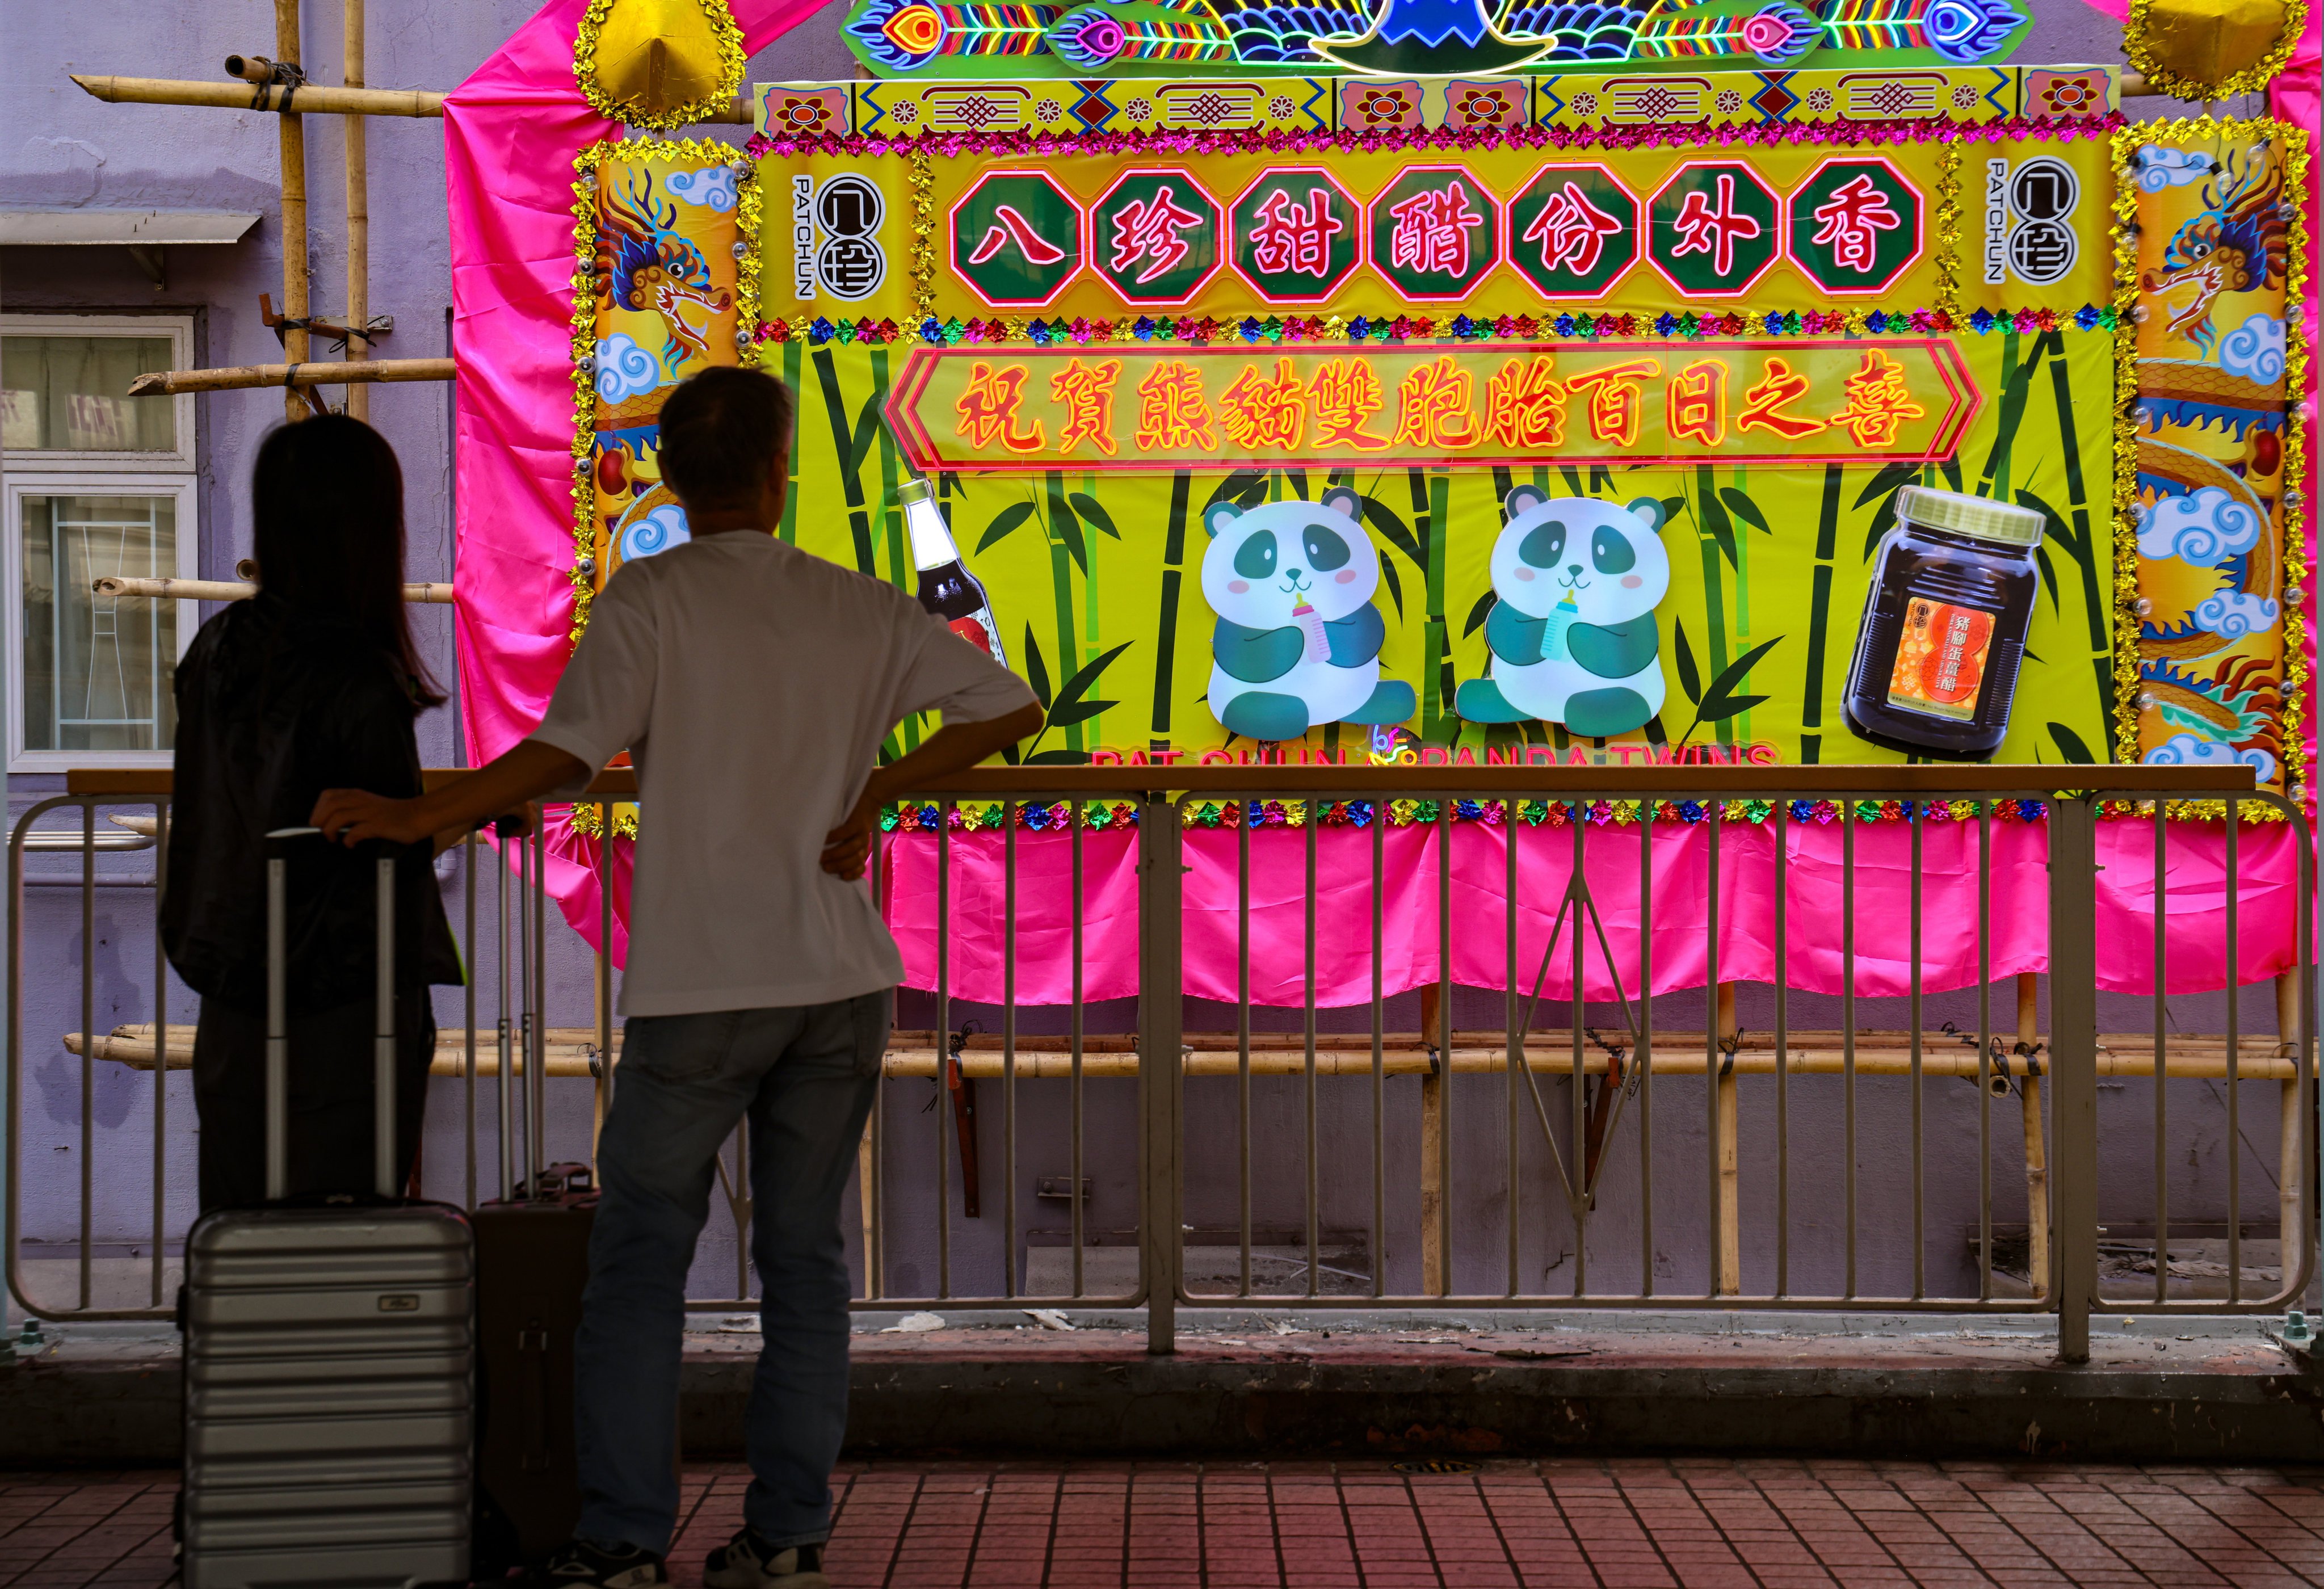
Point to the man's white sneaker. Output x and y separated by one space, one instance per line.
748 1562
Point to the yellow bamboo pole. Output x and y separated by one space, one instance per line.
358 320
1730 1222
295 303
236 377
434 593
318 101
2037 1162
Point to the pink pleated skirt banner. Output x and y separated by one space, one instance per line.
1660 935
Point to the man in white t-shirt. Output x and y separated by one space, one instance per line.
753 685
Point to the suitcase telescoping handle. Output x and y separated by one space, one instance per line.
278 1034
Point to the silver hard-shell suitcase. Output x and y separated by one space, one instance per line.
329 1355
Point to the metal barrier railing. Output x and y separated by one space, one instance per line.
1509 1184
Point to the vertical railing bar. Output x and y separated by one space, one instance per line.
602 1083
1008 1051
1077 1016
1847 1037
1312 1171
1985 1053
536 1059
2162 1105
1646 1047
1242 1036
1511 1038
505 1116
1161 1045
2235 1116
160 1043
1715 1247
468 1005
1782 1050
1577 1172
1918 809
1378 824
944 1052
1444 1045
88 1044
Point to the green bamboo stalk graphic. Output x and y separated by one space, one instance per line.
1440 486
1710 519
1165 639
2085 544
1827 544
1432 711
1064 533
2011 414
851 477
789 528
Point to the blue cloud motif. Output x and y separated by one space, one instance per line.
2159 167
712 187
658 530
2254 350
2234 614
2203 529
624 369
2185 750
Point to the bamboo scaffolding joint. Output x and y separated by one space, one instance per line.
435 593
306 373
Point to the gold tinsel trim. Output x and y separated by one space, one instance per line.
748 217
731 58
2124 472
923 178
583 819
2159 75
1949 229
2294 498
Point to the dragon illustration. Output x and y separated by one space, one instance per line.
2240 243
645 263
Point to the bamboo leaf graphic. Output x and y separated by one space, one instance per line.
2069 745
1093 511
1478 614
1572 478
1036 671
1690 678
1720 701
1601 481
867 430
1056 758
1741 504
1395 584
1004 522
1715 522
1078 686
1079 712
1885 482
2049 576
1243 488
2055 528
1383 518
1068 526
1726 706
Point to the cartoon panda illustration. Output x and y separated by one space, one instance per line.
1298 640
1573 631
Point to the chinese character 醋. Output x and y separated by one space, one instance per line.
1431 231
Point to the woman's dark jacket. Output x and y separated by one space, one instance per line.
273 708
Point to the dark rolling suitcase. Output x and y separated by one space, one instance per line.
532 1261
329 1355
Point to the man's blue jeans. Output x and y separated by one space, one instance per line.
806 1077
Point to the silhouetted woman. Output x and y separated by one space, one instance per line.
312 684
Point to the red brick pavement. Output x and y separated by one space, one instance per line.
1706 1521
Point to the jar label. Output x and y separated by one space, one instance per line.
1940 659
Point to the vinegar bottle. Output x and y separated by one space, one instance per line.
946 587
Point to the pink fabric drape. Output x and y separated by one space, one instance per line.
510 136
2195 895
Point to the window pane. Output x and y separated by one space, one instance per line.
64 394
98 670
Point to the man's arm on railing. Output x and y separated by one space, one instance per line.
954 748
522 773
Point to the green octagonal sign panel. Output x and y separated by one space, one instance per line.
1155 235
1017 238
1573 231
1433 233
1856 225
1296 235
1712 229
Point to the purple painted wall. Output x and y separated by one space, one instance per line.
63 148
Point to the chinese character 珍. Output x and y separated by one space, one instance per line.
1087 392
1294 239
1571 232
988 408
1150 232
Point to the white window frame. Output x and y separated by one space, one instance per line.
64 472
185 491
179 328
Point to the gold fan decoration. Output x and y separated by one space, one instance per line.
658 64
2202 50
